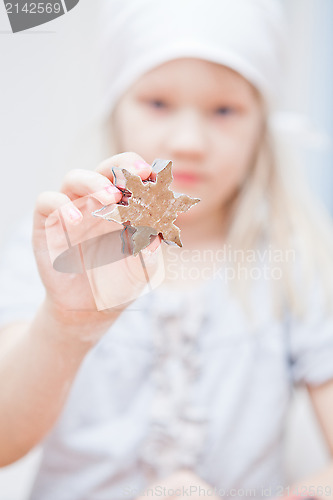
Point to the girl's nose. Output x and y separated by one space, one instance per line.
186 135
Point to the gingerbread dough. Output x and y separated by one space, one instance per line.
152 208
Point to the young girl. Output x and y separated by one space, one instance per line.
181 390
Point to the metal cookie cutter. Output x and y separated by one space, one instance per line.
119 181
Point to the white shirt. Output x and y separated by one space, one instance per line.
180 379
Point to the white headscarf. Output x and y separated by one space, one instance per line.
249 36
245 35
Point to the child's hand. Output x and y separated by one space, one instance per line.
89 297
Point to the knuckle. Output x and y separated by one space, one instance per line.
72 174
131 155
127 157
78 171
43 197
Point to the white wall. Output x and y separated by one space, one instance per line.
48 94
310 83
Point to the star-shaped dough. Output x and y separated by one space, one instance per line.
152 208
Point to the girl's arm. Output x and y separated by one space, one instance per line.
320 484
38 363
39 359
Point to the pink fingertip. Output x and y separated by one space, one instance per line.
74 215
141 165
112 189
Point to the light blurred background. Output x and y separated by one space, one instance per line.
49 84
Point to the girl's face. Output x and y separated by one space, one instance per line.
204 117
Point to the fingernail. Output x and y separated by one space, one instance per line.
74 215
108 195
111 189
140 165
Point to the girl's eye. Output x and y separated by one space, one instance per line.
224 110
157 103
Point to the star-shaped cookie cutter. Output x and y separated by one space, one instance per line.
148 208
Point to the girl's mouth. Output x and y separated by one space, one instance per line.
186 177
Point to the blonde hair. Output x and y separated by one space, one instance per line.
290 220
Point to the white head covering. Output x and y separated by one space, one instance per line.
249 36
245 35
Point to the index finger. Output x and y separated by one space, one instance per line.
132 162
